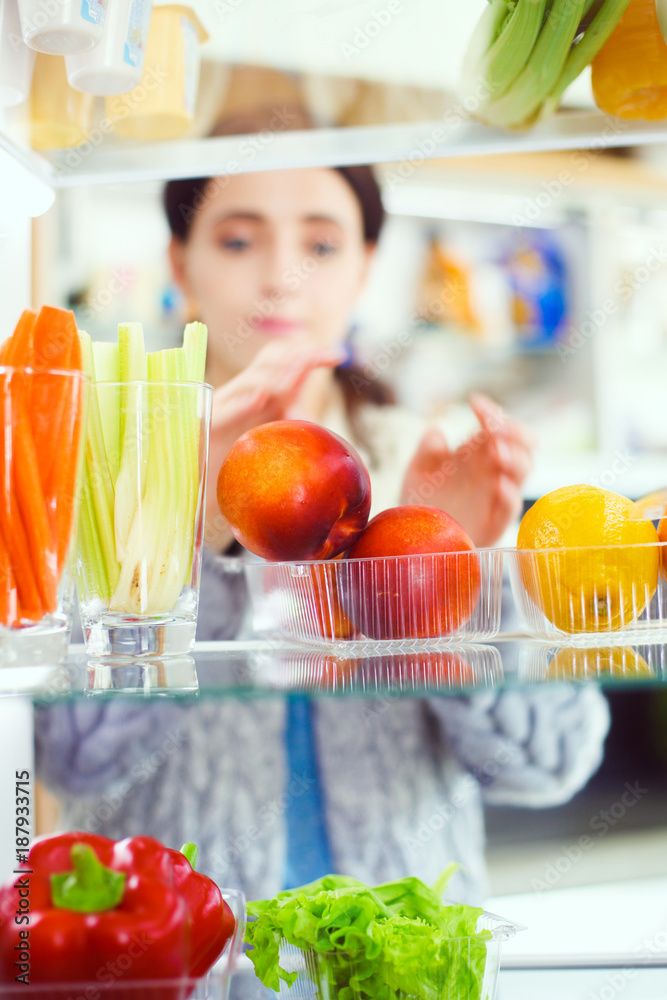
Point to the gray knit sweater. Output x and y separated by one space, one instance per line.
403 780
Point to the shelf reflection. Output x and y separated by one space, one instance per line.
175 675
260 668
635 664
456 668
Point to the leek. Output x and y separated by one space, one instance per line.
522 58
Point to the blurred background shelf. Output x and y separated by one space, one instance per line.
117 161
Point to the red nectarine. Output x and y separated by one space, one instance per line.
432 591
291 489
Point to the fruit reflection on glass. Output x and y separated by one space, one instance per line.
588 565
330 673
662 535
291 489
432 591
619 662
439 669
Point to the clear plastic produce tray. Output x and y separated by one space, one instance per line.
116 983
215 986
399 602
314 978
591 595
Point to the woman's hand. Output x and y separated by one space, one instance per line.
268 389
479 483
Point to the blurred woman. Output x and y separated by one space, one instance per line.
274 264
278 791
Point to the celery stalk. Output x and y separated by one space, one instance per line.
519 105
506 57
157 553
661 11
133 432
170 566
92 569
195 337
585 50
131 595
105 357
166 475
486 32
524 54
98 558
159 545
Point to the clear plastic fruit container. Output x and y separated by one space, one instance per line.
455 667
319 974
591 594
115 979
398 602
214 986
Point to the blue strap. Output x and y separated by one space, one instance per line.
308 851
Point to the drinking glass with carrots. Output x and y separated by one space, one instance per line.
43 395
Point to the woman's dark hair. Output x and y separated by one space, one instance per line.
182 198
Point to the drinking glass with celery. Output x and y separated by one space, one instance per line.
141 518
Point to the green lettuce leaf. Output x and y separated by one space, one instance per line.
385 942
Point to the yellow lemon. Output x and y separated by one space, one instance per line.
577 663
594 569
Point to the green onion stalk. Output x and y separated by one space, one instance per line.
525 53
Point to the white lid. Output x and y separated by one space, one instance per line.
60 43
104 81
10 96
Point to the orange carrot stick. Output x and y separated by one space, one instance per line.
11 524
60 491
20 344
44 408
6 586
32 506
54 338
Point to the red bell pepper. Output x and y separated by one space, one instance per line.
209 933
92 910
